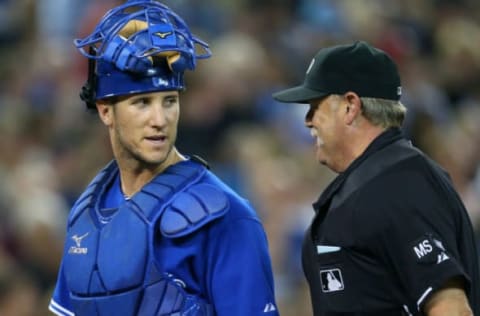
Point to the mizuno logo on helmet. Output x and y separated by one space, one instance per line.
163 35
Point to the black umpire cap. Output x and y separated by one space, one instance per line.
358 67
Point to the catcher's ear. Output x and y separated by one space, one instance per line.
105 112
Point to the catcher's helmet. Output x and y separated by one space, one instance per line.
139 46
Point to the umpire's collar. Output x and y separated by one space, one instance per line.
388 137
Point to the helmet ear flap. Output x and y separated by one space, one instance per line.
87 93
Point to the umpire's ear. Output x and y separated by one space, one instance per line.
353 107
105 112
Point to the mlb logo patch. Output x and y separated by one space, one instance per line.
331 280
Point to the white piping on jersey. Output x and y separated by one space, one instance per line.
424 295
326 249
405 307
55 308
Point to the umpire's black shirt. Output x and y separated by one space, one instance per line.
387 233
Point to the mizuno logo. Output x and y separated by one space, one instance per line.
163 35
78 250
78 239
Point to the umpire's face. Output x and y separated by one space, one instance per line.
327 123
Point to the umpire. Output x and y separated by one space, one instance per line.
390 235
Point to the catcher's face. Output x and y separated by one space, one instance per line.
143 127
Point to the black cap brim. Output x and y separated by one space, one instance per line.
299 94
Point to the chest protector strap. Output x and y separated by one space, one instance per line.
183 204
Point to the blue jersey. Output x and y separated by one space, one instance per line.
186 244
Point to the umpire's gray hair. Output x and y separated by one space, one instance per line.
382 112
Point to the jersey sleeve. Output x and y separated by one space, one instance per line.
413 228
241 273
60 301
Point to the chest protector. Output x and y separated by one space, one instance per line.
109 265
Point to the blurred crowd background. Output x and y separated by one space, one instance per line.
50 146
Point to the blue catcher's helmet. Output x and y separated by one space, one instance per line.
139 46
